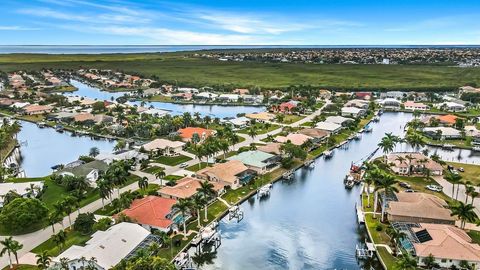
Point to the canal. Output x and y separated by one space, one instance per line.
220 111
42 148
308 223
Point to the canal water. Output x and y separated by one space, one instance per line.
308 223
213 111
42 148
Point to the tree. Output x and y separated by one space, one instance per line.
252 132
455 179
121 144
43 260
406 262
387 144
395 237
94 152
10 246
23 214
199 202
415 140
60 238
102 224
143 183
84 223
54 218
464 212
206 189
160 174
386 183
429 262
105 190
183 205
410 158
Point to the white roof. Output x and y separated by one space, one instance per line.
19 188
20 105
154 111
338 119
239 121
352 110
207 95
328 126
108 247
122 155
389 101
162 144
446 131
450 104
229 96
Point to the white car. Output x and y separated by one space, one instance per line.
434 188
183 165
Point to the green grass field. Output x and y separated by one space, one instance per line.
189 71
172 161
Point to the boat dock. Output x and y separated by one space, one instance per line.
366 251
360 215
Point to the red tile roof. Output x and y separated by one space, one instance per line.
188 132
151 210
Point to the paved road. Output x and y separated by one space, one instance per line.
34 239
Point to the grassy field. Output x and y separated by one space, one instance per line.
472 172
172 161
198 72
73 238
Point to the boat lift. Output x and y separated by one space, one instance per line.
288 175
207 236
366 251
264 191
235 213
183 261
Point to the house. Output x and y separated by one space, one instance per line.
442 133
390 103
411 163
447 120
353 112
450 106
84 118
261 116
447 244
188 133
186 188
24 189
363 95
182 96
121 155
228 97
239 122
418 207
324 94
188 90
232 173
37 109
413 106
340 120
152 212
206 96
241 91
392 94
154 112
258 161
358 103
294 138
271 148
107 247
91 171
328 127
103 119
164 147
285 107
316 134
20 105
252 98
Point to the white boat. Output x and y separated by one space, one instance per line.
376 119
41 124
312 165
357 136
476 148
368 129
447 146
328 154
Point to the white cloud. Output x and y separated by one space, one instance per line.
17 28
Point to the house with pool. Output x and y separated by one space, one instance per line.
258 161
232 173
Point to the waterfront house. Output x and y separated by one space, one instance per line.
24 189
232 173
252 98
258 161
261 116
154 112
241 91
285 107
239 122
447 244
353 112
107 247
182 96
121 155
363 95
205 96
442 133
418 207
390 103
450 106
152 212
329 127
316 134
447 120
392 94
228 97
340 120
187 187
164 147
187 133
90 171
37 109
414 106
357 103
400 164
84 118
294 138
271 148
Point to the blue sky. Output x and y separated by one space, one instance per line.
251 22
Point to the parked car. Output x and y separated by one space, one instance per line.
405 185
409 190
183 165
434 188
461 169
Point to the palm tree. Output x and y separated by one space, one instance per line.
68 206
43 260
387 184
465 212
400 159
406 262
160 174
105 190
206 189
252 132
183 205
468 191
368 180
10 246
121 144
415 140
198 202
474 194
143 183
59 210
224 146
395 237
60 238
387 144
94 151
455 179
32 189
54 218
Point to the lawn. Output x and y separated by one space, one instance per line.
472 172
195 167
181 67
172 161
291 118
73 238
260 128
386 257
378 237
153 169
22 267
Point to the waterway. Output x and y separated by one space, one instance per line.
43 148
308 223
213 111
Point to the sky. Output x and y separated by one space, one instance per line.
249 22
